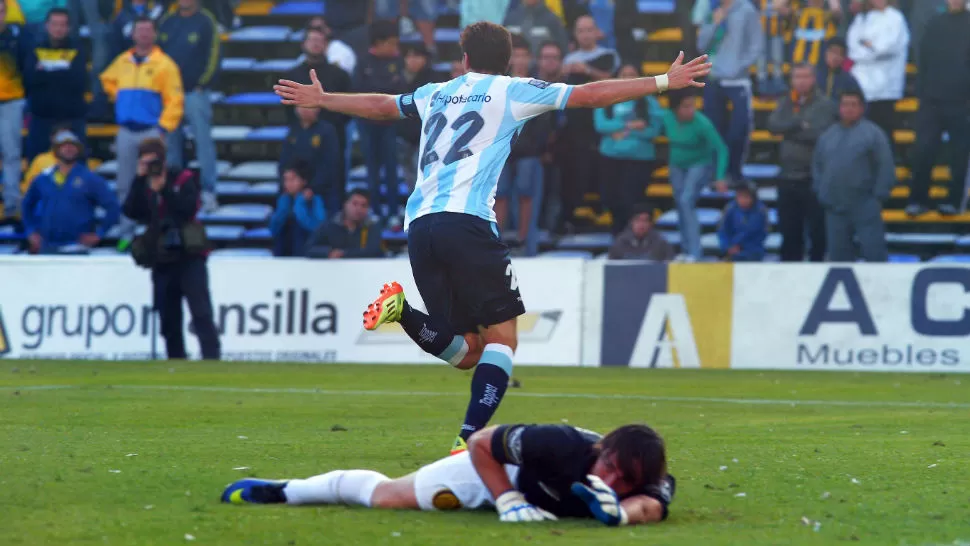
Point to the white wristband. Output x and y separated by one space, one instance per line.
663 83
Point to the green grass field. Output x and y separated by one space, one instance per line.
129 454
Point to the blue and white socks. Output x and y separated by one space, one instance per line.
489 382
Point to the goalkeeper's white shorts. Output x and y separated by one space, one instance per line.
452 483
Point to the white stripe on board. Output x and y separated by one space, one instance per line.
513 394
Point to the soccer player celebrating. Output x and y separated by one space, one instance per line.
460 265
527 472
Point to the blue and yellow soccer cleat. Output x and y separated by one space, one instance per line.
386 308
254 491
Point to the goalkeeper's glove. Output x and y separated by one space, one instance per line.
512 507
601 500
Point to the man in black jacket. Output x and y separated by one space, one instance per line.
351 234
943 89
800 118
166 202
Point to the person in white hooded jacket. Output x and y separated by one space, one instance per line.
878 41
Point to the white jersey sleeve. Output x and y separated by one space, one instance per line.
529 98
413 105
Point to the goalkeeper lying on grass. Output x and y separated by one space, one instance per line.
527 472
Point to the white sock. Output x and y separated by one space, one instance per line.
337 487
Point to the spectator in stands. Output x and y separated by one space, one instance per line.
697 156
627 154
348 19
549 69
11 110
59 208
814 25
146 87
800 118
337 52
832 77
473 11
299 212
417 72
381 70
55 80
35 14
853 173
588 63
943 87
423 13
174 247
732 36
191 38
744 227
314 141
640 241
42 162
534 22
878 43
353 233
521 180
919 15
123 26
88 13
775 21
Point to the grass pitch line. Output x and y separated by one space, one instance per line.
514 394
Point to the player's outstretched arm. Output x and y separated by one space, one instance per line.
510 504
604 93
362 105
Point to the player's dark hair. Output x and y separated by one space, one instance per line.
488 46
518 42
853 93
677 97
358 191
57 11
639 453
381 31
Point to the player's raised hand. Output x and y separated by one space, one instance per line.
512 507
686 75
602 501
298 94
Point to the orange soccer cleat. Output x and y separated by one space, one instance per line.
386 308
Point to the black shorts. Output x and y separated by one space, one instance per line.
463 271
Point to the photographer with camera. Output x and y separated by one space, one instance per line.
174 247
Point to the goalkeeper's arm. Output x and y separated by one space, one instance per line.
489 469
642 509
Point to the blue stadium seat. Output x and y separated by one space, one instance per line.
773 242
238 63
298 8
710 193
772 217
224 233
903 259
239 214
222 167
241 253
709 217
105 251
230 133
275 65
255 170
266 98
760 172
656 6
444 67
952 259
262 234
768 195
275 33
7 250
7 233
447 35
964 242
709 241
264 189
601 241
584 254
394 236
672 237
772 258
108 168
927 239
269 133
232 187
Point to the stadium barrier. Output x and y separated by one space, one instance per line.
878 317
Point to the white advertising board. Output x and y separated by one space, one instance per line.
865 317
285 310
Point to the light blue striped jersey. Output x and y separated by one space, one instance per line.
468 127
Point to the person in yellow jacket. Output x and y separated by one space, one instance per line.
146 86
11 106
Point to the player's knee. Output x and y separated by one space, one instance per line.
502 334
475 347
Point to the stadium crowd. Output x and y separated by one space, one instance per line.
154 65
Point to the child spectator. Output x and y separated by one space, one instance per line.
298 213
814 26
775 17
640 241
743 228
353 233
694 143
833 79
314 141
627 153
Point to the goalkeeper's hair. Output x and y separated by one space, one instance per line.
640 454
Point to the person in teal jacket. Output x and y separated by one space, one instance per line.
298 212
696 149
627 154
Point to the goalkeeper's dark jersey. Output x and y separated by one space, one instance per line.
551 458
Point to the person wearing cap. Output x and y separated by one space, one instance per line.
743 227
59 208
831 75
